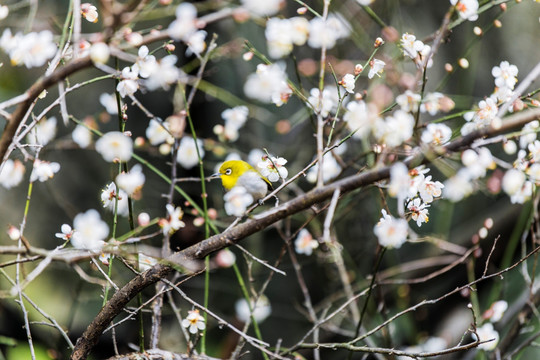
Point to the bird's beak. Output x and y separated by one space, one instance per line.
215 176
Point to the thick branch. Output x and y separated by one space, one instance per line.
120 299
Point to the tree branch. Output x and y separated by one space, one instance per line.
232 236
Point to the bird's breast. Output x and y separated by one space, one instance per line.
254 184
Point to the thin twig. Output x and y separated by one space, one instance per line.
489 256
262 262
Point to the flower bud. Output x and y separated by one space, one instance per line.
143 219
478 31
378 42
99 53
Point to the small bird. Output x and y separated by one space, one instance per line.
240 173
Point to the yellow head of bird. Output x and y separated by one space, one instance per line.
240 173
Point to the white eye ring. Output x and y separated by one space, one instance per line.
228 172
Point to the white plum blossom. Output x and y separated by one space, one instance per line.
109 103
268 84
458 186
503 94
428 189
528 133
326 33
282 34
524 194
44 170
359 118
195 43
376 68
128 85
145 63
534 150
521 162
299 30
419 211
410 46
487 332
408 101
43 132
327 104
163 74
131 181
273 168
413 188
484 116
262 8
114 145
237 201
400 182
82 136
89 12
194 321
66 232
348 83
187 152
534 173
496 311
254 156
424 53
185 23
89 231
395 129
436 134
304 243
431 103
505 75
173 222
467 9
12 173
260 309
478 162
158 132
109 196
391 232
331 169
513 181
32 49
234 118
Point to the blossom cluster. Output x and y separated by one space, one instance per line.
519 181
413 190
31 50
89 232
234 119
156 74
282 34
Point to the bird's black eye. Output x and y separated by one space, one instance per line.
228 172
